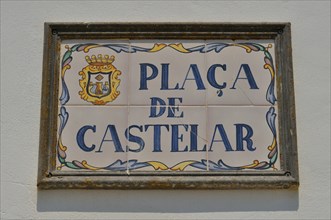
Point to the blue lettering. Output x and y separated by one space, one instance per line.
143 74
249 77
175 137
196 77
157 136
211 76
247 138
80 137
115 139
155 102
194 139
172 109
225 140
165 78
134 139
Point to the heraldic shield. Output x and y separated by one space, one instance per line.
99 80
98 84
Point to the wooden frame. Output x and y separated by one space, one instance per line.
287 177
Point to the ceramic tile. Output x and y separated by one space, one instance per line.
240 136
165 137
174 69
98 139
107 78
240 73
167 143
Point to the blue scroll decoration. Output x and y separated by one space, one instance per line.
133 164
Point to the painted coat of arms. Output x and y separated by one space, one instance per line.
99 80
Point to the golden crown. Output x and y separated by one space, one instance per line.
100 60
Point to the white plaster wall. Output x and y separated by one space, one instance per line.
21 66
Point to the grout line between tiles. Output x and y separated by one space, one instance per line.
206 109
117 106
128 109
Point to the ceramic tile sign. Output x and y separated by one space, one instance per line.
167 106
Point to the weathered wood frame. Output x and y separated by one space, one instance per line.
287 177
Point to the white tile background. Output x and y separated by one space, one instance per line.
201 107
